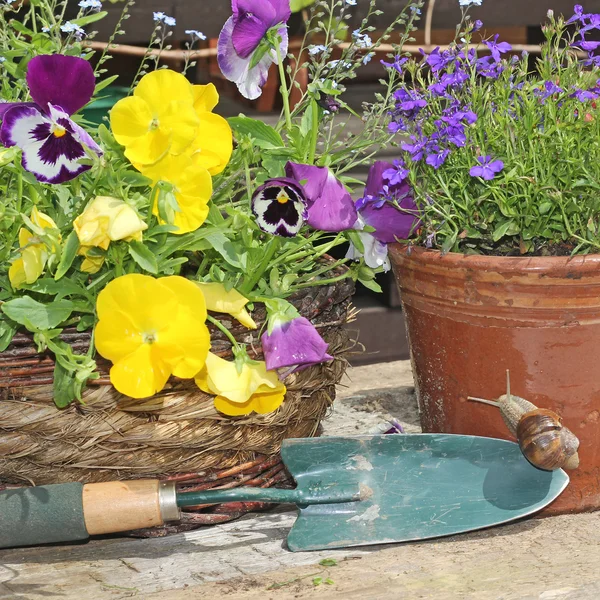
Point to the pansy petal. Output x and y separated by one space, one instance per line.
233 409
186 343
206 97
116 336
140 374
330 206
16 274
6 106
129 295
249 30
389 222
294 343
65 81
180 121
268 402
214 137
159 88
130 119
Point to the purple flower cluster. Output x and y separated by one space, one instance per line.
587 22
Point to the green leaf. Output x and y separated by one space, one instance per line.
68 255
105 83
33 314
501 230
264 135
545 207
7 331
227 250
317 581
82 21
60 289
143 256
328 562
134 179
298 5
371 285
64 386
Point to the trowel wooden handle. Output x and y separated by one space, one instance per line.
72 511
124 505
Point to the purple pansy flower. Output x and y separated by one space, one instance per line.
330 206
487 168
375 253
52 144
244 52
293 345
389 207
279 206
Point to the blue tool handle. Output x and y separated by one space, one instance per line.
330 494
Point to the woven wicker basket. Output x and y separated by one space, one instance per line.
175 435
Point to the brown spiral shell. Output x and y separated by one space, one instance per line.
545 442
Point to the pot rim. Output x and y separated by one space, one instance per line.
587 263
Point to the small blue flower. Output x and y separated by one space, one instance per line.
367 58
69 27
317 49
351 2
362 39
94 5
160 17
470 2
195 34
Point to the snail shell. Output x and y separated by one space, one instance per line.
544 441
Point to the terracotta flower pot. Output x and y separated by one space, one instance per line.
470 318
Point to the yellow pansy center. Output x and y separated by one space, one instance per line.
58 131
154 124
282 197
150 337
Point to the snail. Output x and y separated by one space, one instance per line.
543 440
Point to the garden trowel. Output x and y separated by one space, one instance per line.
351 491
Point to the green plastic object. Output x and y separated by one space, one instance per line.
423 486
98 109
42 515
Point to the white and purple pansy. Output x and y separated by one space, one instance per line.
52 144
280 207
245 52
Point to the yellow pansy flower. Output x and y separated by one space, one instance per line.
218 299
192 187
253 389
151 329
107 220
158 119
34 252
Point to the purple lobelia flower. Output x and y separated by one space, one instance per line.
246 48
496 48
52 144
436 156
388 205
396 65
292 345
279 206
487 168
330 206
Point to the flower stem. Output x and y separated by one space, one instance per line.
224 329
321 281
249 284
315 131
284 88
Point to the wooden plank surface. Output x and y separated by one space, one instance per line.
535 559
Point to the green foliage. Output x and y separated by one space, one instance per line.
545 200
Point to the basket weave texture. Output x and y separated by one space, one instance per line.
176 434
